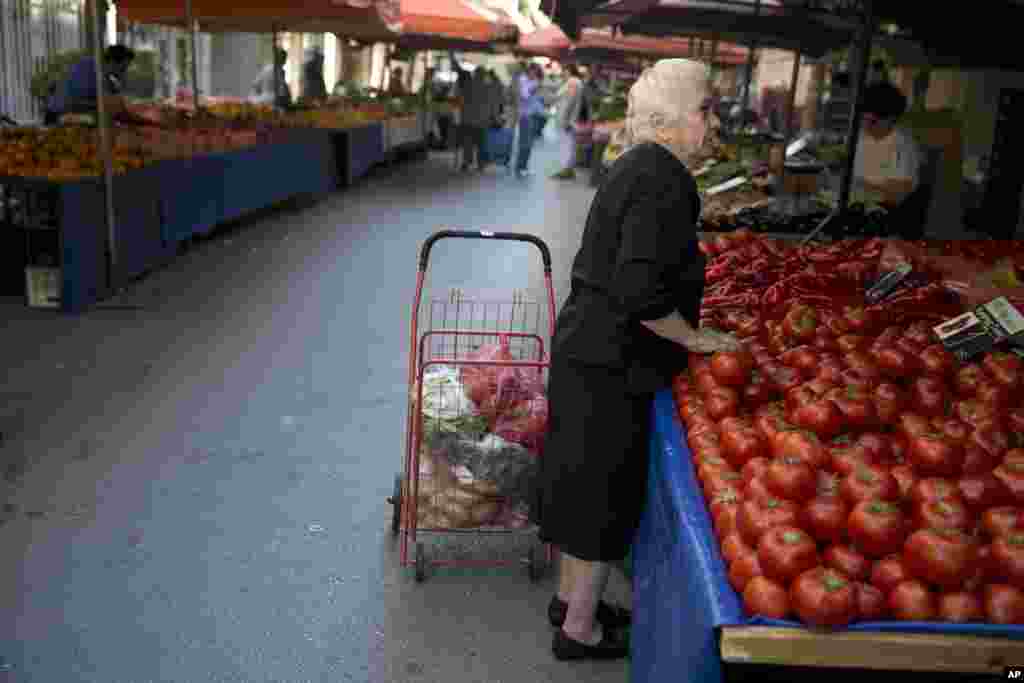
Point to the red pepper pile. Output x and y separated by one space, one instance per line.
854 469
751 280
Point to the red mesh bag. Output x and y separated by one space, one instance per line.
525 423
481 381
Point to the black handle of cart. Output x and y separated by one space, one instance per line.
545 253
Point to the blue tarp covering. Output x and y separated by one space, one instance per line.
681 592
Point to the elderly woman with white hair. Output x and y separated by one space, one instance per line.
623 333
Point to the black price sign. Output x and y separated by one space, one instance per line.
981 330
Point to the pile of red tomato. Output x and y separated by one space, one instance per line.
855 470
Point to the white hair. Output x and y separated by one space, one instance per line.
663 97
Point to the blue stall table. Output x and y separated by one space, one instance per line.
361 148
688 619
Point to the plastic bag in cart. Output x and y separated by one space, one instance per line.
481 381
525 423
509 467
516 386
446 408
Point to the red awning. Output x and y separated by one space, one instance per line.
454 20
551 42
368 20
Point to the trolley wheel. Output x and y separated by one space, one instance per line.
396 506
421 564
535 564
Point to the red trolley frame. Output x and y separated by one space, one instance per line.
439 345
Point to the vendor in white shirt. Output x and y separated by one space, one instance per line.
888 163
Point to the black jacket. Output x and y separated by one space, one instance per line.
638 261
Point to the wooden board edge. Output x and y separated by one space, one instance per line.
880 651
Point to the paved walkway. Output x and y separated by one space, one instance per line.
195 482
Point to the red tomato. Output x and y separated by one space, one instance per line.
994 395
828 484
785 552
846 559
852 378
836 324
722 403
944 557
704 439
800 323
871 603
890 401
719 482
960 608
912 424
801 444
952 428
920 333
941 514
1007 559
802 358
709 466
791 478
912 601
983 491
724 507
888 573
974 412
742 570
733 546
894 362
770 420
977 461
862 364
732 368
766 598
754 469
759 391
758 516
860 321
934 489
1005 368
1004 520
1011 475
929 396
905 478
939 362
852 342
824 341
877 447
820 416
781 377
755 489
968 379
1015 421
877 527
741 442
848 459
823 597
932 454
869 482
1004 604
826 518
706 383
912 349
856 407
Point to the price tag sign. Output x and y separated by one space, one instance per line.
981 330
887 283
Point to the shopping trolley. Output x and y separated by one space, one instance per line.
439 494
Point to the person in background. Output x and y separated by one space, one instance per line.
622 335
313 86
262 90
570 105
396 88
879 72
476 113
530 107
76 93
887 165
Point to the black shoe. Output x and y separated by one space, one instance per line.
609 616
613 645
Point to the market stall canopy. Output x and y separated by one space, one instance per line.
601 43
454 25
768 23
366 20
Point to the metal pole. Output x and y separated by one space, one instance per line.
790 111
195 64
864 55
750 64
106 148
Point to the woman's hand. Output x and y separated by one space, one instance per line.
707 340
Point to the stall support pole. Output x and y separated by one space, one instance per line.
750 65
277 69
790 111
106 149
864 59
192 42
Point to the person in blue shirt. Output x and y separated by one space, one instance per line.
77 93
531 105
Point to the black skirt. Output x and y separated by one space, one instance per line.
593 474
